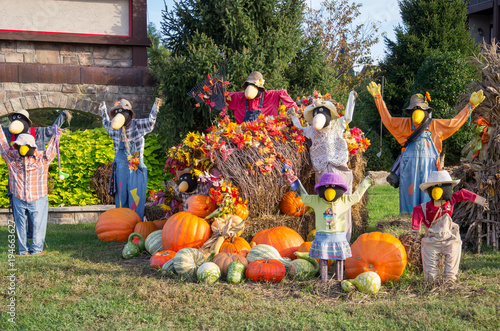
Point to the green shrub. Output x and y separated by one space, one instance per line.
81 153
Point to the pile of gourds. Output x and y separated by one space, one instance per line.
188 246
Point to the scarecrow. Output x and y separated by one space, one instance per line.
422 139
329 151
20 123
188 185
128 180
256 100
28 169
330 206
442 235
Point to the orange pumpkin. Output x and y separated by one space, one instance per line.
284 239
199 205
292 204
235 245
184 230
306 247
116 224
160 258
241 210
145 228
224 259
268 270
159 224
379 252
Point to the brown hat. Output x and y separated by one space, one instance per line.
21 112
179 173
417 101
121 104
256 79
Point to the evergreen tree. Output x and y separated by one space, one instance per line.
428 25
202 35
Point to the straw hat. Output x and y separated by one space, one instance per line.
256 79
438 177
121 104
417 101
308 112
21 112
24 139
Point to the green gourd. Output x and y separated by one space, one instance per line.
187 261
153 242
367 282
132 250
347 286
208 272
236 272
303 268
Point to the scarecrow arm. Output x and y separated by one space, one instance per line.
349 110
445 128
354 198
466 195
417 218
5 148
399 127
146 125
43 134
51 151
286 99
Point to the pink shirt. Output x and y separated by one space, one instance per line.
431 210
236 102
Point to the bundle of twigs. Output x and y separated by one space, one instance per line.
100 183
483 176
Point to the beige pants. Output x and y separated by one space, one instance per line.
347 177
442 237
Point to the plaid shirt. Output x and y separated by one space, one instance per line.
135 132
28 175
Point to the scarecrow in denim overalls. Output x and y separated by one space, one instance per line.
442 235
256 100
421 156
129 173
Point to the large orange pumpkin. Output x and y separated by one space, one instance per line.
199 205
292 204
268 270
145 228
241 210
306 247
184 230
116 224
235 245
284 239
379 252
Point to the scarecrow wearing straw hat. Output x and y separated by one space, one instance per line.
28 169
256 100
129 173
20 123
441 233
329 152
330 206
425 136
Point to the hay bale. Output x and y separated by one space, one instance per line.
100 183
413 246
153 213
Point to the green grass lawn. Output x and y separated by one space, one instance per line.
84 284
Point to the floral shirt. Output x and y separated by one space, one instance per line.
330 217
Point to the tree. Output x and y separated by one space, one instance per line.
347 44
446 76
428 25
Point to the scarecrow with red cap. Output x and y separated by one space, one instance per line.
442 236
129 173
28 170
330 206
422 139
256 100
329 152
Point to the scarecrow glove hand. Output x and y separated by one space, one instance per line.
374 89
289 175
477 97
290 112
158 102
486 206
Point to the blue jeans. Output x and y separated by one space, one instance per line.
251 115
38 211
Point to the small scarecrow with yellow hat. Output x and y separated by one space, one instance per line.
422 139
329 151
28 169
442 236
256 100
128 181
330 206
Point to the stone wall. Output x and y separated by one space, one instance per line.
37 75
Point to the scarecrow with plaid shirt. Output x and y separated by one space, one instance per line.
129 173
28 170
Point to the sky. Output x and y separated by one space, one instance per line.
384 11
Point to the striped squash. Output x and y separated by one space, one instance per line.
153 242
